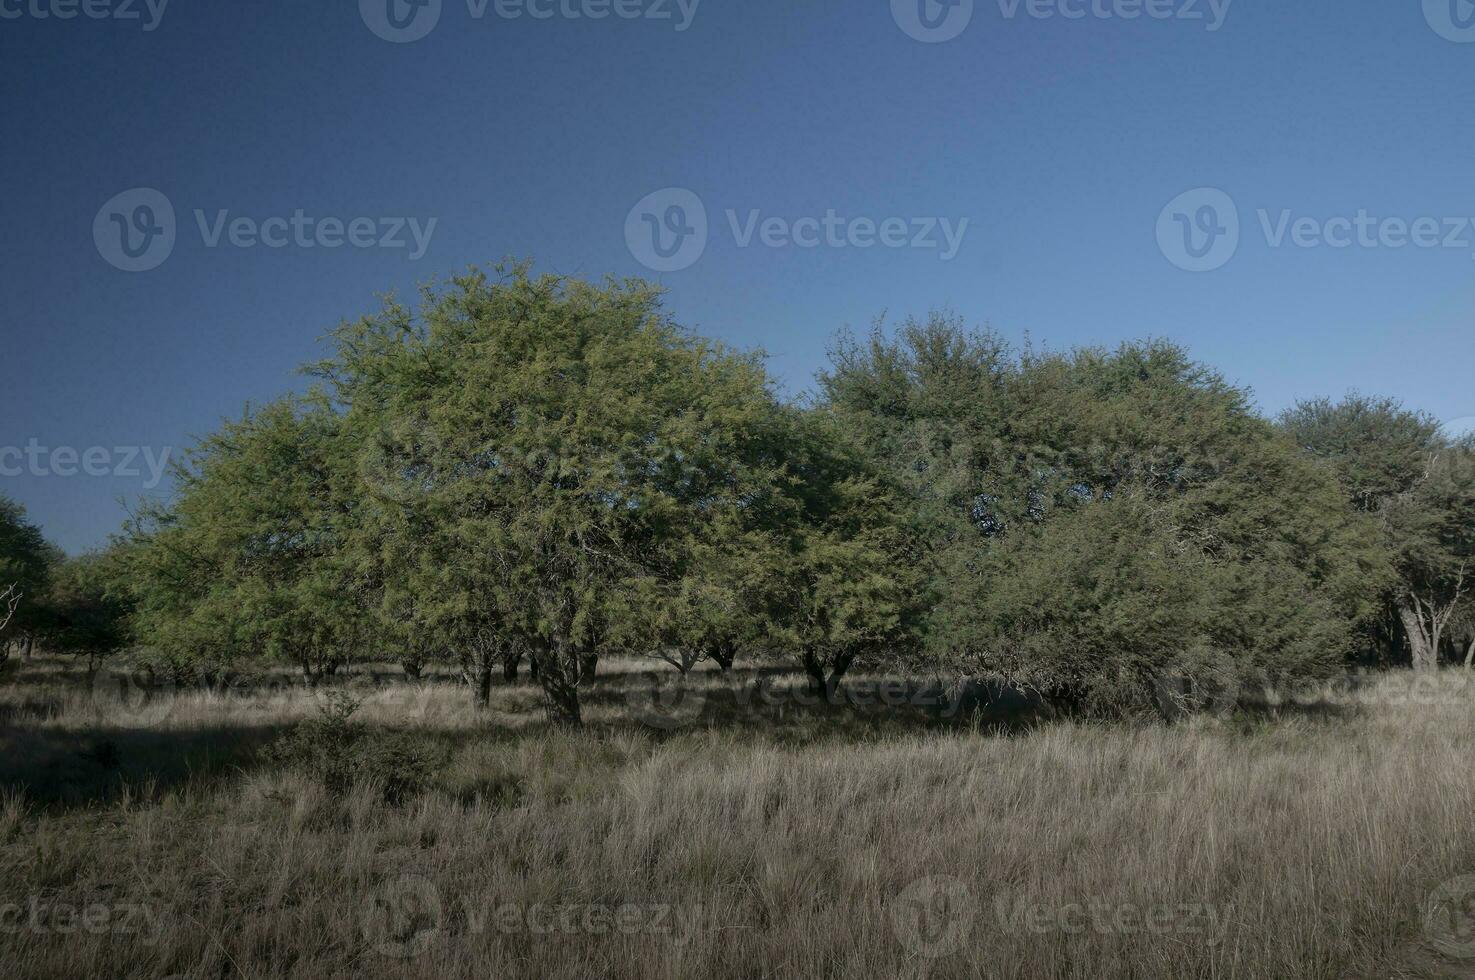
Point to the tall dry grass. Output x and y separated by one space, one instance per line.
1297 843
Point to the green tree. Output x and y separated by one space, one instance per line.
1016 457
1431 528
1395 463
247 560
849 587
545 457
86 610
26 561
1378 448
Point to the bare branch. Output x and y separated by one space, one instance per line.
9 599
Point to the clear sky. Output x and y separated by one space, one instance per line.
1060 130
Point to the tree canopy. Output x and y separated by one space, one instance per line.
530 467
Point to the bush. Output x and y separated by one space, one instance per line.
341 752
1113 608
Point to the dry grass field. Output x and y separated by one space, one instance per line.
743 834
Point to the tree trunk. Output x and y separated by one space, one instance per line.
560 693
25 648
588 664
412 669
1423 637
722 655
1470 654
814 668
481 691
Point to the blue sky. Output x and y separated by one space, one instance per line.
1061 140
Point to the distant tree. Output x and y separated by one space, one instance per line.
247 561
1378 448
86 612
930 402
1021 465
1095 607
26 561
1431 528
1397 464
1462 633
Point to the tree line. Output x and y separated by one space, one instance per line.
531 469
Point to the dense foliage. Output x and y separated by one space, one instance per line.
532 469
1108 524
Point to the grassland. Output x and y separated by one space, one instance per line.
745 833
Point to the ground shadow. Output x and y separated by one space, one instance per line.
778 703
68 768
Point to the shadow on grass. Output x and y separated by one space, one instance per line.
67 768
777 704
1255 714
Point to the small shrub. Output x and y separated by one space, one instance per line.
341 752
